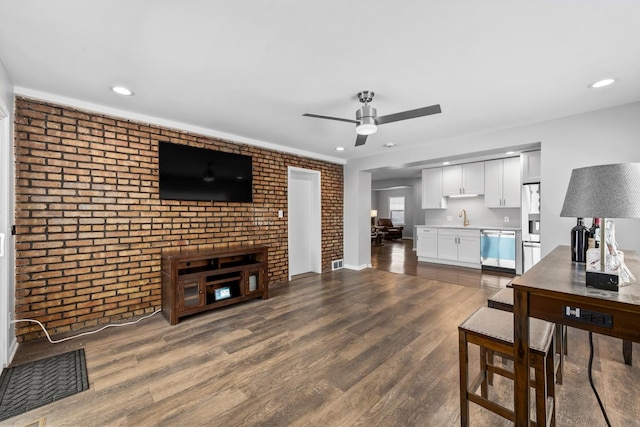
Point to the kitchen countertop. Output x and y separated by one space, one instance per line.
473 227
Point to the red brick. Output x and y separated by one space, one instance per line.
92 228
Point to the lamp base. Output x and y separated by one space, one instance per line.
602 280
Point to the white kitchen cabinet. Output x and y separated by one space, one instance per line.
459 245
432 197
463 179
502 183
427 245
530 167
448 244
469 246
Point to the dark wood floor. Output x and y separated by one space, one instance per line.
344 348
398 256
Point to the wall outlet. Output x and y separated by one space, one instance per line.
280 214
506 219
449 218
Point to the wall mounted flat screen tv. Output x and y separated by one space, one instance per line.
191 173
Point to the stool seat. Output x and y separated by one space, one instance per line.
499 324
503 296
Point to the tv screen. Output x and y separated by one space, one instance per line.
191 173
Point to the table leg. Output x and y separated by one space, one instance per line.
521 356
627 352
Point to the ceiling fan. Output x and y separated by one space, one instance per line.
367 120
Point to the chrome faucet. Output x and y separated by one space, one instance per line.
461 214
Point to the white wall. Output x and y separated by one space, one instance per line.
601 137
477 214
357 228
8 343
605 136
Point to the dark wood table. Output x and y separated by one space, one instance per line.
547 290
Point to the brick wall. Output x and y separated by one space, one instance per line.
91 227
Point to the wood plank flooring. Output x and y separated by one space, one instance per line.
397 256
344 348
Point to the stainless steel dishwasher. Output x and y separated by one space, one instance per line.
498 250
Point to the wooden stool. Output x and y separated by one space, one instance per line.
503 300
492 329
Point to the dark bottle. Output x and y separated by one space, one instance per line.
579 236
594 234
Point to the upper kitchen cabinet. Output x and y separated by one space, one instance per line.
467 179
530 167
432 197
502 183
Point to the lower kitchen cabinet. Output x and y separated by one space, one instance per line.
448 244
459 245
427 244
452 246
469 246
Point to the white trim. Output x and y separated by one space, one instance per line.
129 115
358 267
450 262
314 220
8 343
13 348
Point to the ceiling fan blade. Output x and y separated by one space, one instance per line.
411 114
360 140
331 118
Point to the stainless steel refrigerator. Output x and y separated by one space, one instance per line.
530 209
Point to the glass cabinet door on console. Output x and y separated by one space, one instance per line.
190 294
254 280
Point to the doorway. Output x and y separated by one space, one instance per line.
304 221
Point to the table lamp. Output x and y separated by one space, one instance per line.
603 191
374 214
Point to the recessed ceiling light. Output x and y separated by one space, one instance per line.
121 90
510 152
602 83
389 145
446 163
339 148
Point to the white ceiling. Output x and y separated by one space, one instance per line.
251 68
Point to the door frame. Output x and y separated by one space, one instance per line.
6 264
314 220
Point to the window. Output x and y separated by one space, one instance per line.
396 210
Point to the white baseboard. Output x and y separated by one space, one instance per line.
449 262
357 267
13 348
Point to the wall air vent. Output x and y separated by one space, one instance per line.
336 265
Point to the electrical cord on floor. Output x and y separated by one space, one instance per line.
112 325
593 387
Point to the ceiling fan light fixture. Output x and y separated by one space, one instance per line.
367 128
366 115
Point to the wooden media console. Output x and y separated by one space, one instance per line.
199 280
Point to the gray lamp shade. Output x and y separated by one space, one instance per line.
604 191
